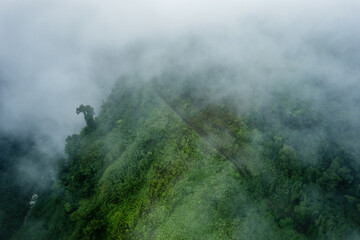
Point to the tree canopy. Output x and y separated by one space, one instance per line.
166 163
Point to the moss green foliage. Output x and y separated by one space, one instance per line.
165 162
88 112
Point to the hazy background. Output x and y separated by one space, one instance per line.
56 55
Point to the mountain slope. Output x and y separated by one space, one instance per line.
164 163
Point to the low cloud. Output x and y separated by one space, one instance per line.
56 55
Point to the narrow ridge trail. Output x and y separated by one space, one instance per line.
241 167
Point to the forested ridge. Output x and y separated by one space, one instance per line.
167 160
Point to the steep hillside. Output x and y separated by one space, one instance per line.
16 189
165 161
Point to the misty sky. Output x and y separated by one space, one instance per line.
56 55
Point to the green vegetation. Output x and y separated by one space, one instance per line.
15 189
168 162
88 112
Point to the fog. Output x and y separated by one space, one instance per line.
56 55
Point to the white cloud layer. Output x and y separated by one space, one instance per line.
55 55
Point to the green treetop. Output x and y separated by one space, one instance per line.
88 112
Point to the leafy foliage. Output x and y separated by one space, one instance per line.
169 162
88 112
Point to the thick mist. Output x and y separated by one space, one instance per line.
57 55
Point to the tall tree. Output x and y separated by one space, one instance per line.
88 112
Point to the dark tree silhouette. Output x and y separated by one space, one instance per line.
88 112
